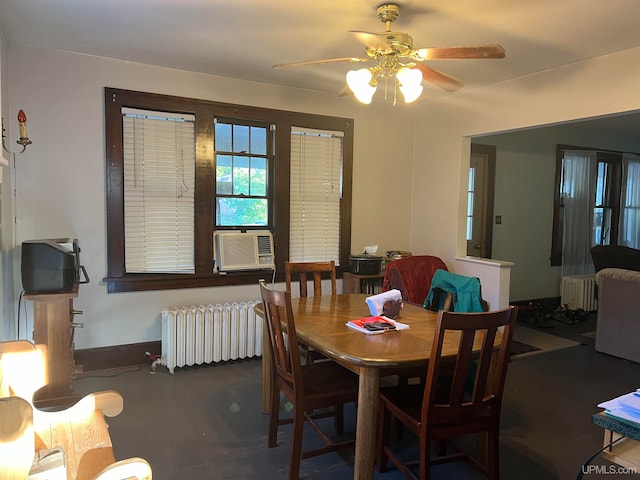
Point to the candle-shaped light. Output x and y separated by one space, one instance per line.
22 123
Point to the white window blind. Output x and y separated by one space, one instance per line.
159 187
315 194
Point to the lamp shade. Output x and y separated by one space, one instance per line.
410 83
359 81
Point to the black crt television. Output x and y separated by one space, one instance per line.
51 266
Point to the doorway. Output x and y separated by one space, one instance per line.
481 187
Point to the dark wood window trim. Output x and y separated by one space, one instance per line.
118 280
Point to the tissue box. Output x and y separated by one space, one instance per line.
376 302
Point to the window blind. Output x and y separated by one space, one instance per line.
315 194
159 187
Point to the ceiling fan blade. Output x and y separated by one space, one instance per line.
317 62
372 41
438 78
460 53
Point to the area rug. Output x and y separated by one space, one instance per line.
539 342
519 348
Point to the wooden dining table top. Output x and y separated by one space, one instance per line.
321 323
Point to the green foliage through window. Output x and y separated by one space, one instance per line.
242 162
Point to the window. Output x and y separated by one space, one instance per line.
243 154
179 169
471 185
596 204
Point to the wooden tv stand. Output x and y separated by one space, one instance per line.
53 326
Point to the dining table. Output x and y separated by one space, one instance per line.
321 322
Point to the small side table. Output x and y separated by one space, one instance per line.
53 326
369 284
627 451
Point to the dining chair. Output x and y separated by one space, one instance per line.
309 388
412 276
302 273
440 410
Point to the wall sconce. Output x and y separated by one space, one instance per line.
24 138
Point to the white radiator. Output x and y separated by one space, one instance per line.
578 291
197 334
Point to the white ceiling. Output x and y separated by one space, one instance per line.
245 38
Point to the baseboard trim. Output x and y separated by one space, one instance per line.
117 356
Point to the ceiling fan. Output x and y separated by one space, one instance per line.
394 58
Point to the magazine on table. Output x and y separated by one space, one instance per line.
376 324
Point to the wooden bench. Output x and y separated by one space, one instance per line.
80 429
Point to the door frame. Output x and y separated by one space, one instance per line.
489 152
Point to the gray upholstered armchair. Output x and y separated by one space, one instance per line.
618 324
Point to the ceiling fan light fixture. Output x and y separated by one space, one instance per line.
361 84
410 80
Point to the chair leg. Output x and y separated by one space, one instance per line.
274 419
425 459
296 444
338 419
493 455
384 419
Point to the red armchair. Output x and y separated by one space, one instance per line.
412 276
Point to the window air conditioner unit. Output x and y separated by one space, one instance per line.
251 250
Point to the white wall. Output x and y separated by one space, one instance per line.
8 324
601 86
61 178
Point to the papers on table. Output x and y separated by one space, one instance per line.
376 324
625 407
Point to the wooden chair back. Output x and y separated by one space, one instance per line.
472 400
412 276
303 272
283 342
462 394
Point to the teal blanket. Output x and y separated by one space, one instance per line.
467 295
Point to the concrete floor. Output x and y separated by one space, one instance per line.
206 422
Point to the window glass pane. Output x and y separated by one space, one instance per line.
241 175
258 140
224 172
258 176
597 226
240 138
233 212
223 137
600 184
